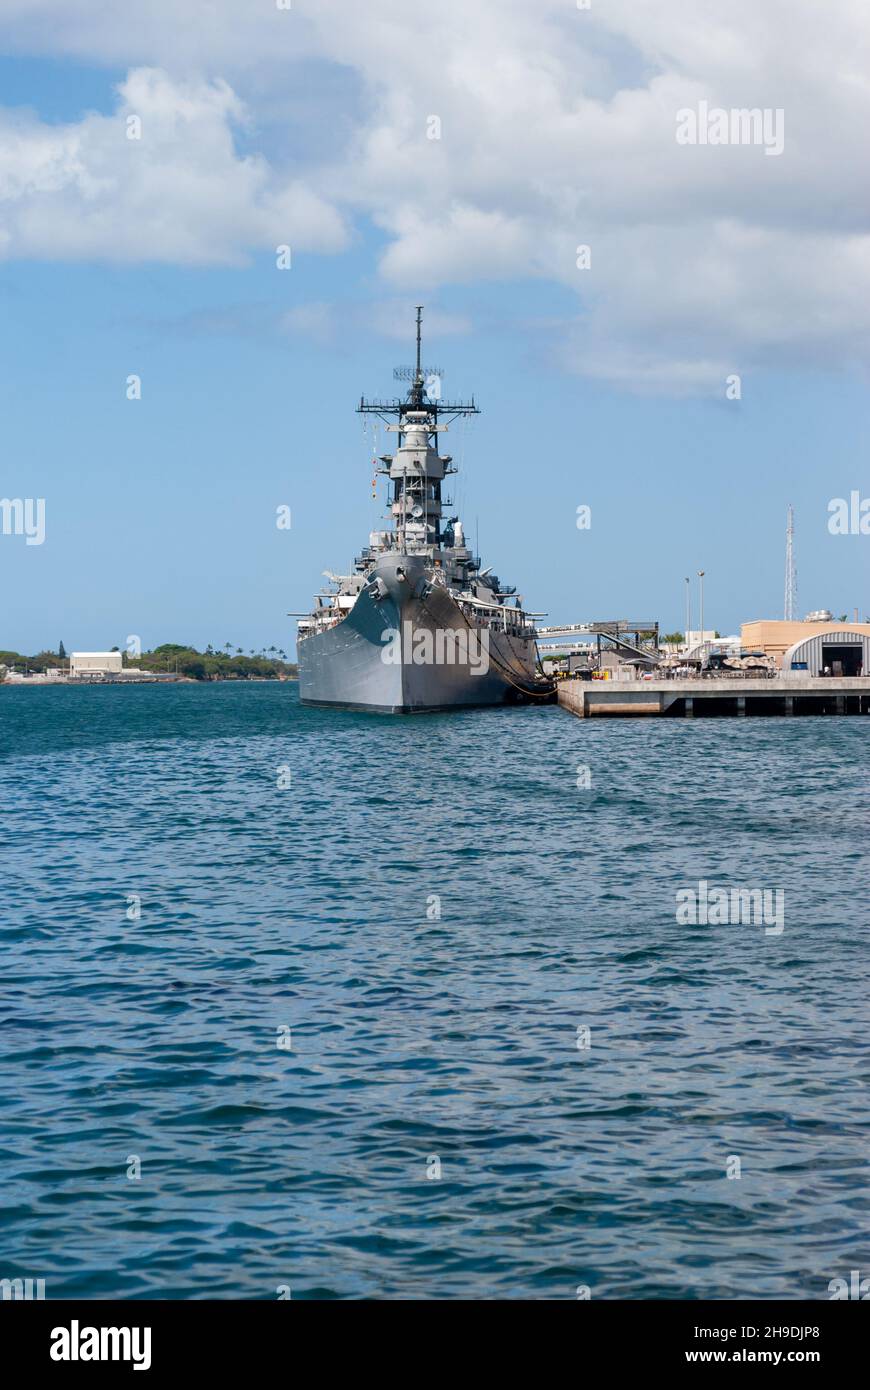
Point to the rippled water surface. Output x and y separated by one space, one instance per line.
420 1042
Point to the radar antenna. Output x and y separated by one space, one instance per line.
417 397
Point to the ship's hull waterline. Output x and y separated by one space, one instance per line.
367 661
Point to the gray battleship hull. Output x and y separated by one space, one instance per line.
345 665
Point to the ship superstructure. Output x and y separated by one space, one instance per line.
418 625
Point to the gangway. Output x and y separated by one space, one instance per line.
615 630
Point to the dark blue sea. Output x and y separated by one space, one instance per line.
297 1000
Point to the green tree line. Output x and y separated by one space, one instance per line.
225 663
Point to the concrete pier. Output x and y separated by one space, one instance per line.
694 698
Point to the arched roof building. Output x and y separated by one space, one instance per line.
776 637
836 650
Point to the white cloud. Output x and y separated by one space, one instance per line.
179 193
558 129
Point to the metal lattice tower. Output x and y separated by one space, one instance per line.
790 571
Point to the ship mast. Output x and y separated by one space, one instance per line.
416 470
417 397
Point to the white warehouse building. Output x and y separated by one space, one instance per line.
95 664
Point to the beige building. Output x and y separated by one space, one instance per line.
95 663
775 637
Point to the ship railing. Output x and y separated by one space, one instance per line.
498 607
498 617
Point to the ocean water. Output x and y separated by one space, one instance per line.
435 910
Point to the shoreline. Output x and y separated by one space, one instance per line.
34 683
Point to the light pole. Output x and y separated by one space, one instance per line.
688 610
701 601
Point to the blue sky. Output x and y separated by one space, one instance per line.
608 390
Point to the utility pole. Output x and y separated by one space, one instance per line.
688 609
790 571
701 619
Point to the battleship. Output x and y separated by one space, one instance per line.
418 626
